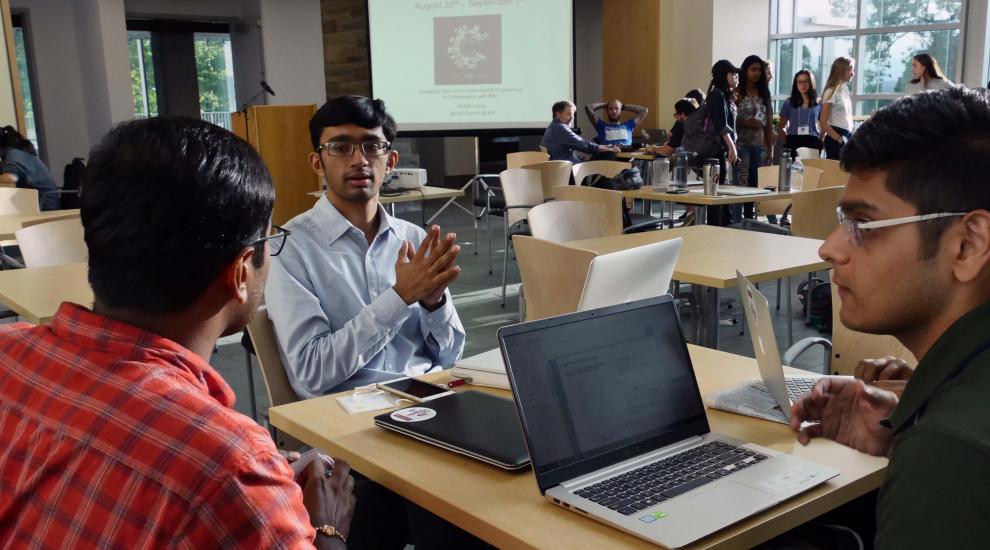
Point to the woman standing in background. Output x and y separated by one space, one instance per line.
721 106
753 123
926 75
836 117
799 114
22 167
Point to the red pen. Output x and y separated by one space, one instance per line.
458 382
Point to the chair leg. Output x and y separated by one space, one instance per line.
790 317
491 253
807 300
505 258
250 377
778 294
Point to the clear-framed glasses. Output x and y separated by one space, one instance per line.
857 229
277 238
346 148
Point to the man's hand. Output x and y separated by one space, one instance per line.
665 150
328 499
848 412
424 276
888 373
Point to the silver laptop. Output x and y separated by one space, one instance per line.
616 428
784 389
632 274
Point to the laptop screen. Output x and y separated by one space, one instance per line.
601 386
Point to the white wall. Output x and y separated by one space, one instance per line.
292 36
739 28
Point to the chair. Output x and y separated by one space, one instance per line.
607 168
553 275
849 346
522 158
832 173
15 200
769 176
563 221
52 243
277 385
614 207
72 180
555 173
522 189
808 153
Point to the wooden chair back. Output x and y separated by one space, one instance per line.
552 274
14 200
563 221
521 187
277 385
607 168
52 243
555 173
813 214
850 346
612 200
522 158
832 173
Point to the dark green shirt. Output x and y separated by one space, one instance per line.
937 490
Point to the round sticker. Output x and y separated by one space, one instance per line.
413 414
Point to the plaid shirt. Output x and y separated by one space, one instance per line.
114 437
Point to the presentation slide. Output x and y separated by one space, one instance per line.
471 64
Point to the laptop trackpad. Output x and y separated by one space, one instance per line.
731 500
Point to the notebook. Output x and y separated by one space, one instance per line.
475 424
742 191
617 431
484 369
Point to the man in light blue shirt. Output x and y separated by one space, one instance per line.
357 296
611 131
561 141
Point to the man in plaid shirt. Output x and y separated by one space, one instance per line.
116 431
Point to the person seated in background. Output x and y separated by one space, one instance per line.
612 130
562 143
358 296
22 168
912 259
117 431
682 109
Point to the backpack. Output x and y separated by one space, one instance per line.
699 137
627 180
72 180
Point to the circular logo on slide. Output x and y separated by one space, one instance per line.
413 414
463 49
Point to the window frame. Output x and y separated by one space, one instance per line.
857 33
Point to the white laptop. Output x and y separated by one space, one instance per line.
741 191
631 274
784 389
617 431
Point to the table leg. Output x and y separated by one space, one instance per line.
701 215
790 318
706 325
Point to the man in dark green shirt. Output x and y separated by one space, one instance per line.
912 259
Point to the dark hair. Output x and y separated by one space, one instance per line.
932 70
10 138
697 95
351 109
168 203
935 151
560 106
720 73
685 106
762 85
796 100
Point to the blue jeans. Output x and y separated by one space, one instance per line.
750 160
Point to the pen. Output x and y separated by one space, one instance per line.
458 382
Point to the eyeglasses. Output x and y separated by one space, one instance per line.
856 229
346 148
277 238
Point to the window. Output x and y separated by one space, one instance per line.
881 35
142 74
25 76
215 75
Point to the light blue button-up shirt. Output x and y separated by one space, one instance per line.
338 321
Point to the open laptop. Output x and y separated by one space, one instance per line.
784 389
631 274
616 428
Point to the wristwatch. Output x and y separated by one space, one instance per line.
330 531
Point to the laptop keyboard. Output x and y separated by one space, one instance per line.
654 483
796 387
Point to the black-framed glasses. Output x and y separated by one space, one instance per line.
277 238
346 148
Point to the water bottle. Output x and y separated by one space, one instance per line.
682 167
710 174
797 174
661 173
784 176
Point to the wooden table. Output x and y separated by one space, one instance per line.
698 198
636 155
506 509
710 256
12 222
35 293
422 194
